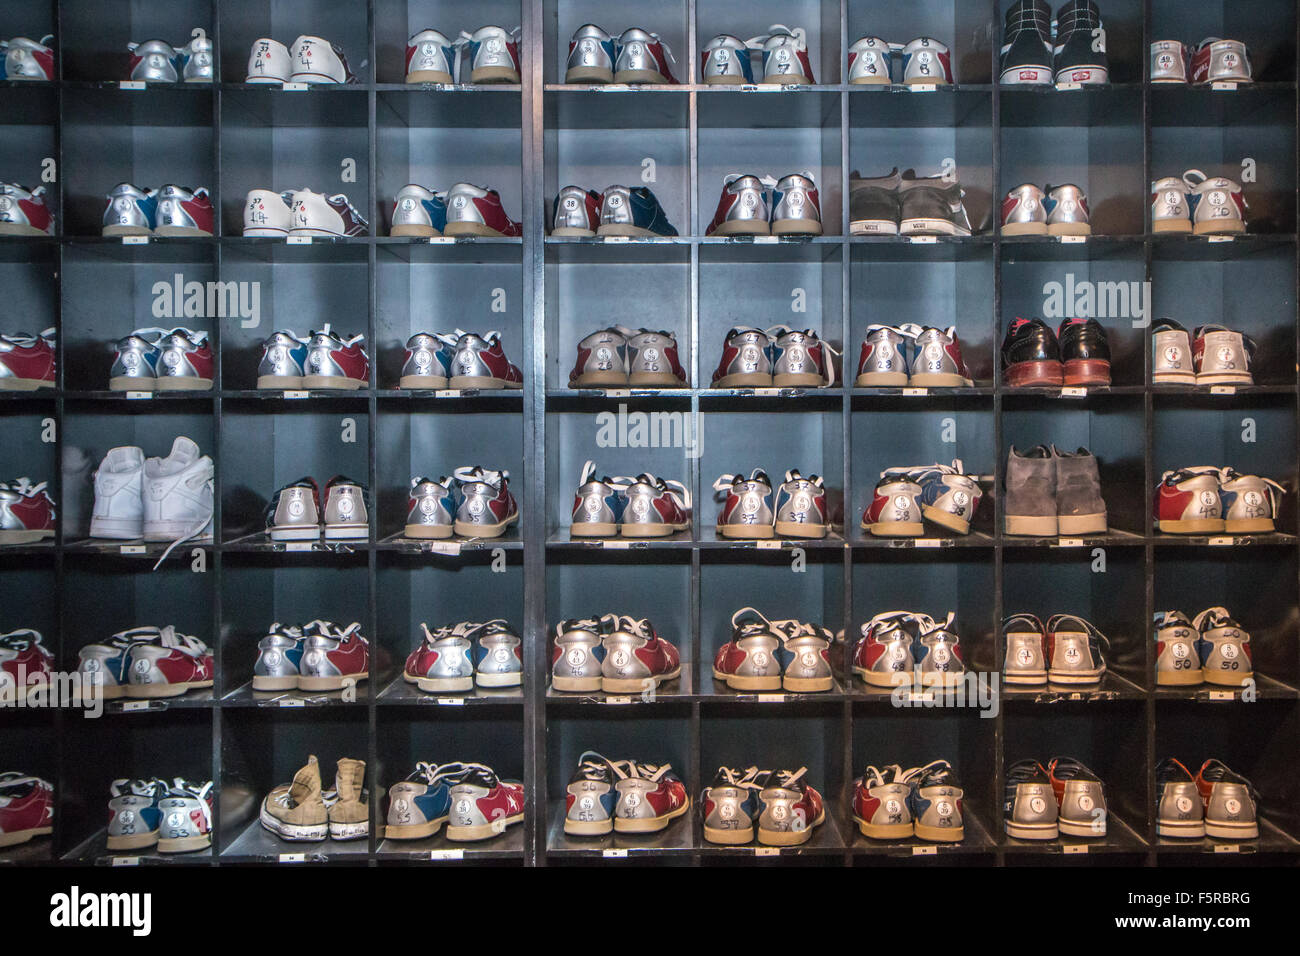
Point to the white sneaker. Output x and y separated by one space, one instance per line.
318 61
267 213
314 214
268 62
178 494
119 502
431 58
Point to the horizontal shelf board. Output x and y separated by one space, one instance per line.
435 849
402 692
860 539
1119 838
677 691
245 696
1276 539
563 539
677 838
1115 537
95 851
1271 839
256 844
1112 686
399 543
1266 688
975 839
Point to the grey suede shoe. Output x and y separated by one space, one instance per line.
1030 504
1079 508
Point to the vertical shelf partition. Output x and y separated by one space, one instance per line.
545 294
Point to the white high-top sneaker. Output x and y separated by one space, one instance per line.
177 495
119 503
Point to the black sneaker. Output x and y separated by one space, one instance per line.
1027 45
1080 44
931 206
1031 355
1085 353
873 205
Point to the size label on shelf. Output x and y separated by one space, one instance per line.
1074 391
1222 695
616 238
132 549
136 396
296 393
614 854
124 861
447 393
292 702
1223 390
298 545
134 706
766 392
292 858
613 88
1225 87
1220 542
768 545
1067 240
298 240
1071 848
916 392
924 850
767 851
771 698
135 86
135 240
446 854
922 698
442 240
451 701
616 545
1226 848
294 87
1069 542
443 547
618 699
923 87
1221 238
767 240
924 240
1069 86
928 543
618 393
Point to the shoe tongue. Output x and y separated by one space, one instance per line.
306 783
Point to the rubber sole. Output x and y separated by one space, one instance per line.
746 682
790 837
635 685
427 531
330 683
151 691
22 836
1024 229
23 384
1034 526
1228 678
428 76
1191 526
1180 678
1172 225
650 824
1034 374
745 532
413 831
467 530
483 831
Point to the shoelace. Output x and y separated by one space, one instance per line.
1056 620
798 34
26 340
24 487
673 488
726 482
618 483
920 773
325 329
491 338
193 530
467 474
464 40
578 624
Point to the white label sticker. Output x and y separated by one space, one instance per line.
616 545
767 851
298 545
1074 391
298 240
617 238
928 543
924 240
767 392
1222 695
133 706
771 698
1069 542
1221 238
1067 240
916 392
444 547
924 850
294 87
292 702
442 240
1075 848
125 860
451 701
767 240
923 87
618 699
1227 848
446 854
292 858
768 545
1069 86
134 86
1226 87
1223 390
135 396
618 392
296 393
1218 542
447 393
135 240
614 854
132 549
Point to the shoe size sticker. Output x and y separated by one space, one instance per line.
1221 542
134 706
1069 86
291 858
134 396
916 392
617 699
771 698
1073 239
451 701
923 87
1071 848
1226 87
928 543
299 545
135 86
132 549
124 861
1222 695
443 547
291 702
298 240
1227 848
1220 238
1069 542
294 87
1223 390
446 855
295 393
614 854
924 850
767 851
135 240
1073 391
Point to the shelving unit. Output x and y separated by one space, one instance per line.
527 141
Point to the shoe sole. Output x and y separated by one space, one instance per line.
435 685
409 229
185 844
884 831
588 827
890 680
1081 524
422 381
1033 374
1086 372
293 832
482 831
467 530
1180 678
22 836
425 531
744 380
1191 526
577 685
481 382
599 380
650 824
737 837
331 683
743 227
943 518
1224 679
588 74
747 683
1181 829
332 382
1032 831
1034 526
635 685
895 529
429 76
23 384
745 532
1024 229
413 831
512 679
798 529
276 382
790 837
940 834
164 690
471 229
132 841
1232 831
881 379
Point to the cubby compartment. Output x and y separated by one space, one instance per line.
437 592
31 748
437 140
806 587
620 734
266 288
150 745
1253 294
93 43
29 598
27 155
396 21
1242 433
264 748
273 140
1267 28
263 449
891 432
1253 589
1110 427
808 735
914 738
110 290
150 140
961 27
1106 587
343 24
819 19
586 583
406 740
587 287
437 437
1111 742
439 289
27 435
30 277
943 294
956 582
259 590
1253 741
1112 289
669 19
